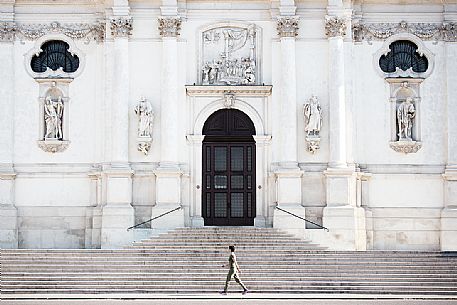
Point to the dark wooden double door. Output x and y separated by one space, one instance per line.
228 170
229 184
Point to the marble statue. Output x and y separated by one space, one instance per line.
405 117
53 115
145 118
313 117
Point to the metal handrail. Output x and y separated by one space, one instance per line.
322 227
154 218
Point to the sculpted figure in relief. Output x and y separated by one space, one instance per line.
405 117
53 113
230 58
145 118
313 117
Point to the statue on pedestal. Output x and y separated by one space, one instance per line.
405 118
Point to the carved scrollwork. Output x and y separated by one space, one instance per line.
53 146
10 30
287 26
406 147
335 26
169 26
425 31
121 26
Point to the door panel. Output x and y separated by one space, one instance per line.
228 195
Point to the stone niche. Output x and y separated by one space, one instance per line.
405 114
229 54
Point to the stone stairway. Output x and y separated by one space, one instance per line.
189 261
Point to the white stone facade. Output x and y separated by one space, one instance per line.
266 58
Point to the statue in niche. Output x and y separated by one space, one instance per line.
145 118
231 56
313 117
53 115
405 117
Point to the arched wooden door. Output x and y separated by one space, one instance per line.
228 195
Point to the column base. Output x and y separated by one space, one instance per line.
197 222
260 222
8 227
289 223
346 226
115 221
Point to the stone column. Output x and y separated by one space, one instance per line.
168 174
8 212
118 214
344 219
288 174
449 213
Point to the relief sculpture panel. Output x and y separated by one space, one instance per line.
229 56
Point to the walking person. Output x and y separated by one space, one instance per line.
233 272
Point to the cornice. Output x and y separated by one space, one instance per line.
237 90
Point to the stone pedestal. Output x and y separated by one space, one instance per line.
289 223
8 212
346 226
288 187
345 221
449 213
8 227
118 214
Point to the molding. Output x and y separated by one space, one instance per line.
121 26
406 147
287 26
335 26
33 31
446 31
221 90
53 146
169 26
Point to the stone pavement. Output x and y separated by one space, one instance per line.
231 298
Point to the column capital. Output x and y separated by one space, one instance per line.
169 26
287 26
335 26
7 31
121 26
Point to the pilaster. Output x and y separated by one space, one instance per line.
169 173
8 212
288 174
449 213
344 219
118 214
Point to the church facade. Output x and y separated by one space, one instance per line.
229 113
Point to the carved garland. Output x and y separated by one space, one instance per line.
10 30
425 31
